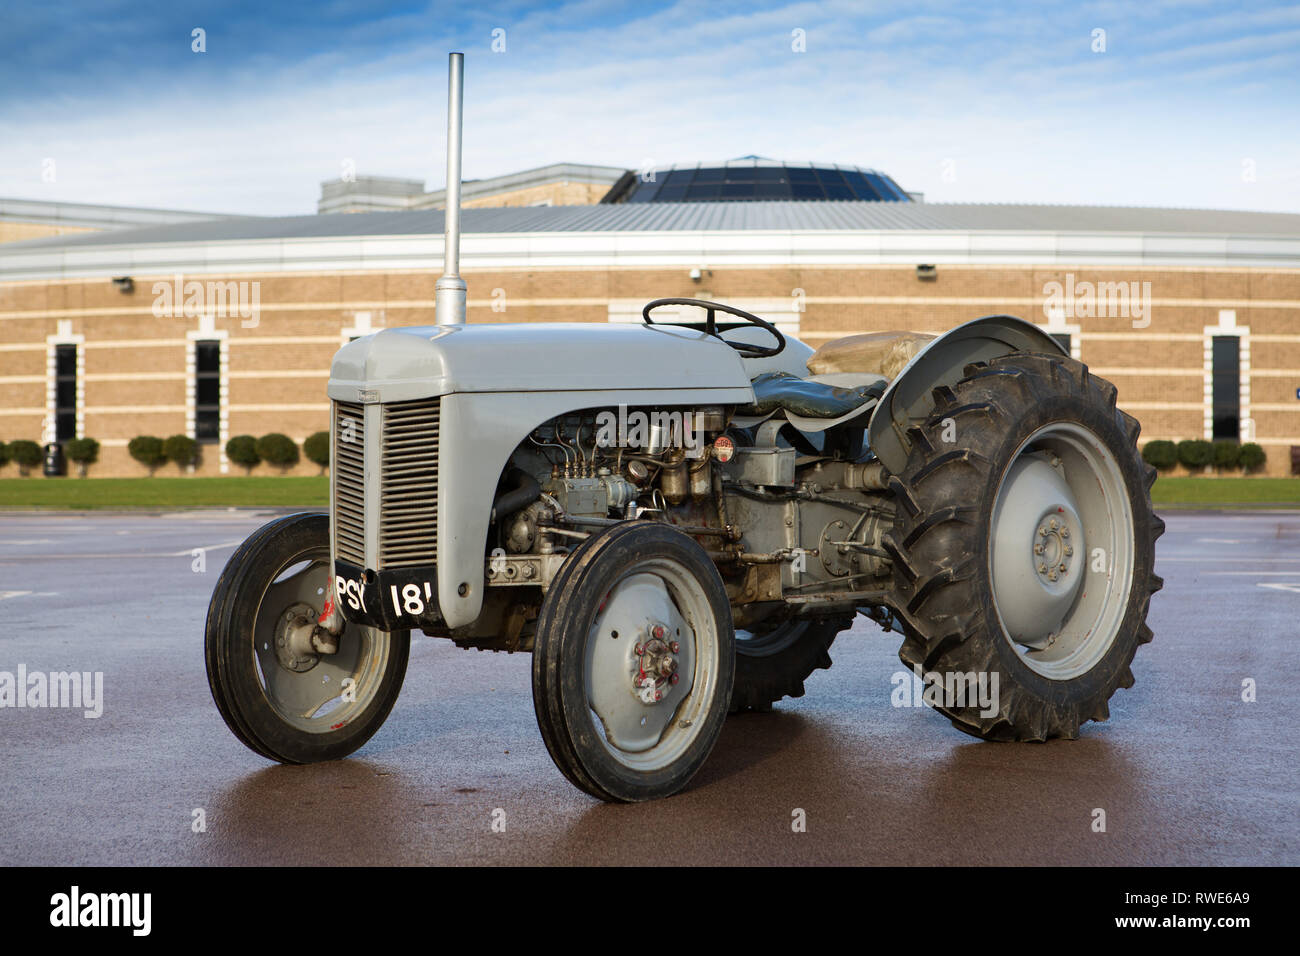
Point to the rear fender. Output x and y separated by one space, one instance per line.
908 399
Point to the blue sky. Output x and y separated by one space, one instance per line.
1190 104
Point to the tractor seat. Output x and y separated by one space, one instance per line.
824 400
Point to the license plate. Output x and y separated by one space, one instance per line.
391 600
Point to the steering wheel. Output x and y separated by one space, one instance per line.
711 325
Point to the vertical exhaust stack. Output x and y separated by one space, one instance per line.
449 293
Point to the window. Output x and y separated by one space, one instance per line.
743 181
887 188
1226 390
862 186
65 392
645 190
207 390
807 191
699 193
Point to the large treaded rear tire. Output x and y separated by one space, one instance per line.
940 544
765 675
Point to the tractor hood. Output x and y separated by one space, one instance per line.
404 364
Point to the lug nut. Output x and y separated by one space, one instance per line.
659 695
674 679
1038 549
639 649
1052 575
658 631
674 647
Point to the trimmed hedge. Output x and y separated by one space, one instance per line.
25 454
1225 455
1251 457
181 450
147 450
242 450
83 451
1161 454
317 449
277 449
1195 453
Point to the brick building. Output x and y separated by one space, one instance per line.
1194 315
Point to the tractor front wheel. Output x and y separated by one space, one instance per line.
633 662
276 692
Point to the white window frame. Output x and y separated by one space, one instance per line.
1228 326
206 333
363 323
63 336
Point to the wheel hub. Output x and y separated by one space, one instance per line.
1053 552
640 664
293 638
658 665
1036 531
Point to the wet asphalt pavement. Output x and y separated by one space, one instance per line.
1186 772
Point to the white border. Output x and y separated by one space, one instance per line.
1228 326
205 333
63 336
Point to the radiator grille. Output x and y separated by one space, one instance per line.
348 465
408 500
408 484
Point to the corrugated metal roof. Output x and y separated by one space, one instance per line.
710 217
97 216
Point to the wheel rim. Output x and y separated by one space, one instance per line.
306 689
648 698
1061 551
771 641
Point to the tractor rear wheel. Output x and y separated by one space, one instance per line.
1024 547
772 663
